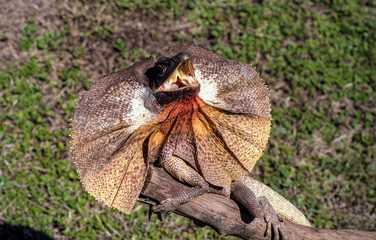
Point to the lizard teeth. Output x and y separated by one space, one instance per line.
174 86
178 82
192 79
184 82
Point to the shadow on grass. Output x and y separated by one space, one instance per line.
10 232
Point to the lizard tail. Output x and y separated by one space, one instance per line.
282 207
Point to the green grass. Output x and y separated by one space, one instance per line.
318 59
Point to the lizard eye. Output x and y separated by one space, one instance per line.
160 70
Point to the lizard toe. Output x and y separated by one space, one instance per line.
275 230
165 208
274 227
268 231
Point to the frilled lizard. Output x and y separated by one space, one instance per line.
203 118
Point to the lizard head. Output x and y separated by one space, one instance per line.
172 75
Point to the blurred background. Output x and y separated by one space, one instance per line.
317 57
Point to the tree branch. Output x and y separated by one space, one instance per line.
228 218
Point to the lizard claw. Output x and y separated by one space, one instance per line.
275 229
273 224
164 207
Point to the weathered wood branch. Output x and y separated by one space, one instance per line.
228 218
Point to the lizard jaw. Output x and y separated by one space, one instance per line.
182 77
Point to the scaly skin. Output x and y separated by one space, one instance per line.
283 207
208 133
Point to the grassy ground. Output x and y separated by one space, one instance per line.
317 57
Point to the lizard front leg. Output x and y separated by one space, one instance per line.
180 170
259 207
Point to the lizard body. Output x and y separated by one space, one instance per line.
203 118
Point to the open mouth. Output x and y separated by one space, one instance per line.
182 77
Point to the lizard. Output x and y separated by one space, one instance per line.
203 118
